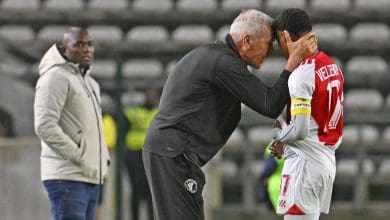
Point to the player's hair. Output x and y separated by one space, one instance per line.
249 22
295 21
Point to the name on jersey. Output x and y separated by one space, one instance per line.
325 72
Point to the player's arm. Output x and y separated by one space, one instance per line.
301 86
298 129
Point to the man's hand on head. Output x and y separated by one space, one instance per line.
300 49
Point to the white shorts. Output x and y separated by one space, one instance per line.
305 189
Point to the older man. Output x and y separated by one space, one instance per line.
67 115
201 106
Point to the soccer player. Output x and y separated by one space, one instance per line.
314 132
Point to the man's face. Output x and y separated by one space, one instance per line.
79 49
151 97
256 48
282 43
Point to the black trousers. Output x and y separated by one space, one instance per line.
176 185
139 185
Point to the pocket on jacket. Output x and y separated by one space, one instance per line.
72 130
79 137
81 144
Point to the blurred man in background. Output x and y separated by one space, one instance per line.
139 118
315 123
74 157
201 106
270 178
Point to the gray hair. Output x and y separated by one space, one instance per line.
249 22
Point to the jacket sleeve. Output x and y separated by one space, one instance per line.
233 75
51 93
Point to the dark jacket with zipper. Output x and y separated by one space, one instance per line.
201 102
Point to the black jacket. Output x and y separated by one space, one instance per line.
201 102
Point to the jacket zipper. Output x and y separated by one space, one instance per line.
97 121
100 140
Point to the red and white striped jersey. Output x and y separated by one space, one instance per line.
319 82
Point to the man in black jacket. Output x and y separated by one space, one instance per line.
201 106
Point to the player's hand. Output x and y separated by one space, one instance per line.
277 149
300 49
276 128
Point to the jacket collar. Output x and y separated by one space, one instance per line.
232 45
